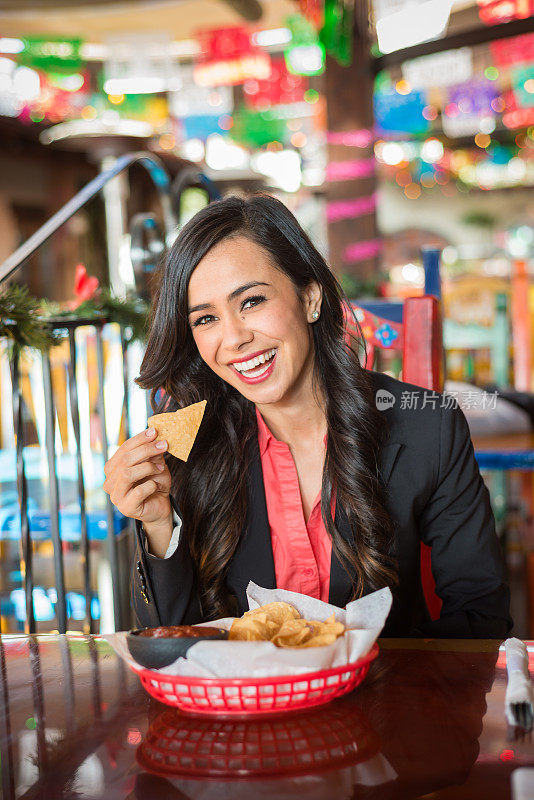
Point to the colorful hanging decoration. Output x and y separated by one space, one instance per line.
140 63
280 88
313 11
193 100
305 55
258 128
439 69
336 33
229 57
492 12
467 104
400 113
516 50
51 53
61 96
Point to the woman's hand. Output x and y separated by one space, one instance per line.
138 482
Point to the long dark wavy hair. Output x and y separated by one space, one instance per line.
211 488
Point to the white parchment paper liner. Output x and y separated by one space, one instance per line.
363 618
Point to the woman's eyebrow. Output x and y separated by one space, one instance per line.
231 296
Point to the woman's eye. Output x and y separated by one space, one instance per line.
250 302
202 320
254 301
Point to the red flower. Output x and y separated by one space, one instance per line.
85 287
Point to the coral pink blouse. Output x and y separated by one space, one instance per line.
302 550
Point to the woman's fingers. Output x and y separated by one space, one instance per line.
129 444
136 497
135 450
119 483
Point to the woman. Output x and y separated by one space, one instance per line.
296 479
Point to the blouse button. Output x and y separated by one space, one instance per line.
309 572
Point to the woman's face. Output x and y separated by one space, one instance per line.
249 324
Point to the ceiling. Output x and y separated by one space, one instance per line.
96 21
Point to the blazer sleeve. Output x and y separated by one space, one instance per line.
458 524
164 590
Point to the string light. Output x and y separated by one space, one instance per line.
403 177
116 99
429 113
167 141
311 96
412 191
403 87
89 112
299 139
491 73
294 124
482 140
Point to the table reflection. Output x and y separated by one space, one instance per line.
75 723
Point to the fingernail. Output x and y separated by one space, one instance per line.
150 431
161 445
160 467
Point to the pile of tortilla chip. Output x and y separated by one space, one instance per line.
179 428
281 624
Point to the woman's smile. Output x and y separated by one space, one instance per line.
257 369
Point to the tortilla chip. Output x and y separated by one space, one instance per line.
278 612
179 428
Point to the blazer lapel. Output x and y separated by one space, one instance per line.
340 581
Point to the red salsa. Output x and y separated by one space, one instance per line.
180 632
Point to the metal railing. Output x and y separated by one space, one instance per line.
155 169
169 195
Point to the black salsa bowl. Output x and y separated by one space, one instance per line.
153 649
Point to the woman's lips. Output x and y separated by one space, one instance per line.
258 378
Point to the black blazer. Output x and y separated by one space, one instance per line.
435 493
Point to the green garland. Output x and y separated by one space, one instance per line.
29 322
20 322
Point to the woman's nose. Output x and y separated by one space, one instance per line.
235 332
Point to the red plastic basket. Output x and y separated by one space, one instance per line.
196 747
246 696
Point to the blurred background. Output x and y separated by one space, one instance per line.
399 132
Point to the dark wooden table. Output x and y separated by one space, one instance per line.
427 722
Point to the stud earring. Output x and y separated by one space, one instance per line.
315 315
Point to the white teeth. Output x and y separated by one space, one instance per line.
245 366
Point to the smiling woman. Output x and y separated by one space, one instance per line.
296 479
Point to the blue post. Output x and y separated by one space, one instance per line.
431 256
